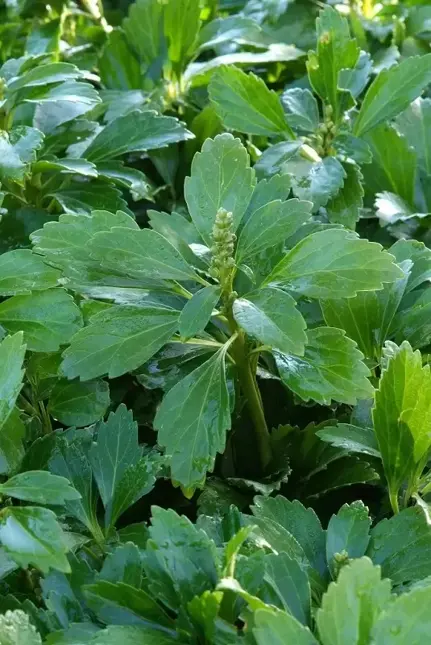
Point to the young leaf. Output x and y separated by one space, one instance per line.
335 264
270 224
331 369
135 132
181 26
193 419
143 253
351 605
244 103
197 311
21 272
123 564
271 317
79 404
271 626
406 620
401 416
392 91
47 318
401 545
180 560
302 523
32 536
336 50
12 352
348 533
221 177
39 486
118 340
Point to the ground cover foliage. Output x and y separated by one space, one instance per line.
215 392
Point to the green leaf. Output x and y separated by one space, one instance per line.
64 242
47 318
302 109
336 51
144 29
331 369
32 536
287 586
197 311
71 461
12 352
180 560
420 255
82 199
221 177
45 75
392 91
415 124
244 103
235 28
193 419
401 416
335 264
368 316
39 486
135 132
351 438
79 404
73 166
412 322
318 182
138 480
271 317
120 603
119 469
292 517
118 340
351 605
134 635
345 207
348 533
63 103
21 272
394 163
406 620
275 627
123 564
269 224
12 434
119 68
181 27
401 545
130 178
143 253
17 150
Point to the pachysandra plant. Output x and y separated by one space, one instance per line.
214 323
233 295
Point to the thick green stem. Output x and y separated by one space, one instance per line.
251 393
393 497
